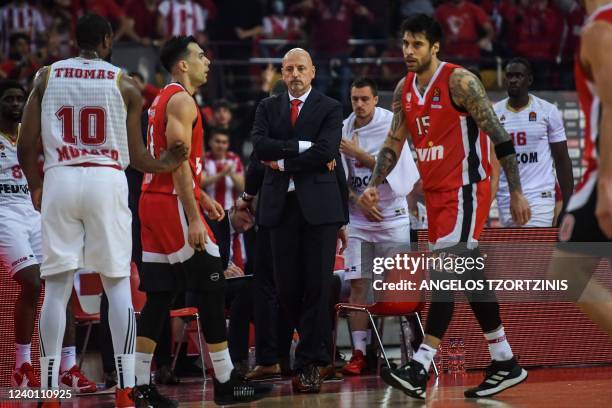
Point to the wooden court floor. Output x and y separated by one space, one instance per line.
582 387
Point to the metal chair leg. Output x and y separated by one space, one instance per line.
335 338
403 346
379 339
201 346
85 343
178 348
418 318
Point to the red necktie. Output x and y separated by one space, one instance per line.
238 259
294 110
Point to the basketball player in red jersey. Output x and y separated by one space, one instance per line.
179 249
87 113
445 110
586 229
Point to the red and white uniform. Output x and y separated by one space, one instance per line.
591 106
86 222
452 158
183 17
223 190
20 18
163 223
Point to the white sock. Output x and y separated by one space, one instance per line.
499 348
23 354
143 368
360 338
222 364
425 355
68 358
124 364
49 372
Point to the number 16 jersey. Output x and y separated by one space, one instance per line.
83 118
451 150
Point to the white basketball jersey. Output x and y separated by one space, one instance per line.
84 115
532 129
13 184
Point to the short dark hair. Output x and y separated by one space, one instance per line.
10 84
422 23
217 131
523 61
91 30
363 82
13 38
174 49
221 103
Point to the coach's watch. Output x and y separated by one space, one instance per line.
246 197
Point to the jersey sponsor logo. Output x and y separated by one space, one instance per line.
21 260
525 158
431 153
14 189
361 182
71 152
80 73
436 95
533 117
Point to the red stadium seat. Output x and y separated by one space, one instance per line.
83 318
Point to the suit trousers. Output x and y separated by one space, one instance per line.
303 256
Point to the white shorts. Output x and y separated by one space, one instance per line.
86 222
542 213
20 237
356 236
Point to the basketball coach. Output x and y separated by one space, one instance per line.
304 205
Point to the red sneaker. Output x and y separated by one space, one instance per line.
75 380
356 365
24 377
124 398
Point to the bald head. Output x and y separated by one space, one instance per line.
298 71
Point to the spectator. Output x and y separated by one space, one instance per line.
22 63
149 91
223 171
409 8
463 24
58 20
574 15
18 16
223 119
183 17
277 25
143 13
331 28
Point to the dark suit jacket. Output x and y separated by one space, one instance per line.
221 230
323 195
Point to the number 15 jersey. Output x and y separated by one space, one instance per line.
451 150
83 115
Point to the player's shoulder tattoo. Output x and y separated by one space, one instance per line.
468 92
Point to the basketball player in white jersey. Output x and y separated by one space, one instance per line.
21 253
536 128
363 135
88 115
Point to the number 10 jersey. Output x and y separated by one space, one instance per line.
83 118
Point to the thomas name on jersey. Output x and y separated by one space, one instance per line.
80 73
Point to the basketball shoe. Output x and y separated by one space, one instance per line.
24 377
75 380
499 376
411 379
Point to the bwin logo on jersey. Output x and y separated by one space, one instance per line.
426 154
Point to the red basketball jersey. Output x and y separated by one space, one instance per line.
156 142
589 101
451 149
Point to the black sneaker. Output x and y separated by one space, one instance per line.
411 378
239 389
500 375
150 395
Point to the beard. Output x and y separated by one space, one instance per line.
424 66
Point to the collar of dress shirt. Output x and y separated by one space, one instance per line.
301 98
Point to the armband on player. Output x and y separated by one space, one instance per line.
504 149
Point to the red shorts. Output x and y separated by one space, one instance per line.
457 216
164 229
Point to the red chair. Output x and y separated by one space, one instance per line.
389 305
90 285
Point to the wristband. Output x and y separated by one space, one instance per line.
504 149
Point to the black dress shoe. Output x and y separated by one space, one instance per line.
307 380
165 376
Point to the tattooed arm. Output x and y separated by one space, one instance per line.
468 92
390 152
388 155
